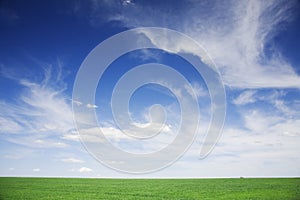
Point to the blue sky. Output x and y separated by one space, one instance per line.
254 44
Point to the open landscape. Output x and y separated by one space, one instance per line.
80 188
120 99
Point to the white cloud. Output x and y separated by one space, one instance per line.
91 106
153 127
127 2
71 137
41 111
259 122
9 126
288 127
36 170
84 169
127 143
242 152
49 143
245 97
196 89
78 103
276 98
50 105
239 51
234 33
281 105
72 160
243 145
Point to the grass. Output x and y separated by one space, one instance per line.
76 188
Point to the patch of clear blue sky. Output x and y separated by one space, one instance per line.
46 32
288 40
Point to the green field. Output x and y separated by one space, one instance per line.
76 188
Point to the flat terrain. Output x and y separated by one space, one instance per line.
75 188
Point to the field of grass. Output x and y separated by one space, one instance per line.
75 188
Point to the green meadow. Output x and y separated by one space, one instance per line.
79 188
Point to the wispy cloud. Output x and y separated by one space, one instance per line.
43 143
277 99
41 111
71 136
72 160
235 34
245 98
259 122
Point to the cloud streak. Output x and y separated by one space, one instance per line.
41 111
72 160
245 98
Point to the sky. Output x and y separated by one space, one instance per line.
252 46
